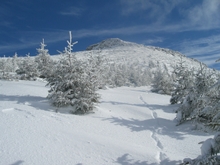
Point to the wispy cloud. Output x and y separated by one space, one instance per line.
30 38
205 49
153 40
157 10
204 15
72 11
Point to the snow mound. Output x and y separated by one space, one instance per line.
111 44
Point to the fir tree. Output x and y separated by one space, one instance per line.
197 103
183 82
43 61
72 83
28 69
162 81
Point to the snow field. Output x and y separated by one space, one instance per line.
130 126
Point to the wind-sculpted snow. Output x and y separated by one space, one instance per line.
130 126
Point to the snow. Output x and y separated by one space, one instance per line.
122 52
112 43
130 126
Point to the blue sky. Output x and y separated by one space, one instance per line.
191 27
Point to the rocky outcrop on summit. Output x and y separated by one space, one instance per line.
112 43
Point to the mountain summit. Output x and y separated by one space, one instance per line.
112 43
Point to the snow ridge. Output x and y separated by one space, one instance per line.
111 44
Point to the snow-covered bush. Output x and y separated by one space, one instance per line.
209 150
73 83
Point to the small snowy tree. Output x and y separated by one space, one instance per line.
72 84
162 81
197 103
183 82
97 68
43 60
15 62
28 69
6 68
3 67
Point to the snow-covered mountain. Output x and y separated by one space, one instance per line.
131 125
120 51
112 43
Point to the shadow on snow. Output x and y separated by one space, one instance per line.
36 102
125 160
18 162
165 126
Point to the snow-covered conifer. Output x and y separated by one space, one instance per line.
162 81
3 70
15 62
43 60
72 84
28 68
184 80
196 105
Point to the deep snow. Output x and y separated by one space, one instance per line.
130 126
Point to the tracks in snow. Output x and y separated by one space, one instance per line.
160 156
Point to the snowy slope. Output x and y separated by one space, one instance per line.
130 126
112 43
120 51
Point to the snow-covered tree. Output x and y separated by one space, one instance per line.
97 68
6 68
43 60
72 83
15 62
198 102
28 68
183 82
3 68
162 81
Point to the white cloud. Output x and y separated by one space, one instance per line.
205 15
156 10
206 49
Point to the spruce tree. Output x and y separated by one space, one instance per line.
28 69
43 61
72 83
183 82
